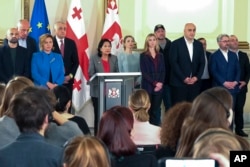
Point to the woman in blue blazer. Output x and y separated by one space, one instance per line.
47 67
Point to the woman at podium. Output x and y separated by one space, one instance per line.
104 61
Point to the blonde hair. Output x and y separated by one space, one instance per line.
215 140
42 39
146 46
86 151
139 103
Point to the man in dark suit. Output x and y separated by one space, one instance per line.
164 44
14 60
187 65
23 27
67 48
224 68
244 78
206 81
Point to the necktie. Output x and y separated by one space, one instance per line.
62 47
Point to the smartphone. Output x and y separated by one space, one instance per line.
191 162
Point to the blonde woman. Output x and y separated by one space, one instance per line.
143 132
47 69
86 151
153 75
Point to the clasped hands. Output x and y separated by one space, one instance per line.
190 80
158 86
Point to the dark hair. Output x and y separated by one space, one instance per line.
14 86
115 127
206 112
102 41
30 107
172 123
62 97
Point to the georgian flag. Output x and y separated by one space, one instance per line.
76 31
112 29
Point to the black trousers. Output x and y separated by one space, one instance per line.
184 93
96 115
238 110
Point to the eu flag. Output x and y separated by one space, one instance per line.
39 23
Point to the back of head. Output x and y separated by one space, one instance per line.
139 103
2 88
30 108
86 151
215 101
172 123
62 97
13 87
215 140
190 130
114 130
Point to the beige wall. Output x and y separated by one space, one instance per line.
233 18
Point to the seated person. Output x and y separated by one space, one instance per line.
8 128
143 132
215 140
63 99
171 129
114 130
31 111
92 150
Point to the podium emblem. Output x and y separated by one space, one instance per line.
113 93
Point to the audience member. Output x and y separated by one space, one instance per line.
14 60
47 67
128 60
206 81
244 79
164 45
153 75
114 130
211 109
2 88
171 129
8 128
63 102
143 132
104 61
215 140
31 110
67 48
86 151
187 65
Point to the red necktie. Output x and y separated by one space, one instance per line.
62 47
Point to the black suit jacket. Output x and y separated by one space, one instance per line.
181 64
31 48
244 69
21 65
70 58
165 52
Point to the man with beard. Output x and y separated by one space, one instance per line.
14 60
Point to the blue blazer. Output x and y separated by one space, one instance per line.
222 70
43 64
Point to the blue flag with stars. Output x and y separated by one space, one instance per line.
39 23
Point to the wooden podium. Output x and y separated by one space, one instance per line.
113 88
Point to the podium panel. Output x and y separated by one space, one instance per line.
113 89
